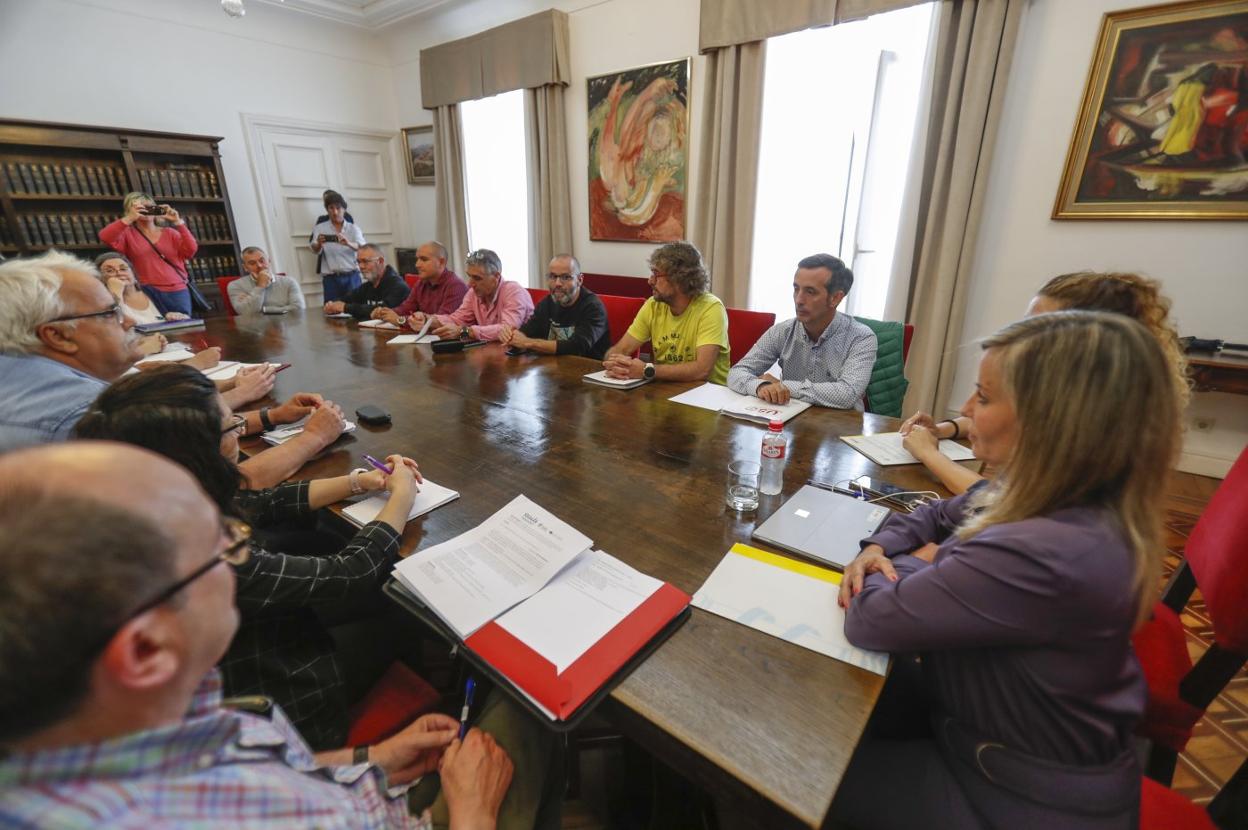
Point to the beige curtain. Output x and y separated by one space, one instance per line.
550 200
728 168
448 164
732 22
975 45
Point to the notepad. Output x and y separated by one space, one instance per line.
408 339
787 599
378 324
169 325
885 449
430 497
718 398
175 355
227 369
602 379
341 315
283 434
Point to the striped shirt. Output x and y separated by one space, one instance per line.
832 371
215 768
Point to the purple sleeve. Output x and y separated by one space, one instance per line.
453 296
904 532
995 589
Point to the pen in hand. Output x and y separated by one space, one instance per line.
377 465
469 688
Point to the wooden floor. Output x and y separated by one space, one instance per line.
1218 746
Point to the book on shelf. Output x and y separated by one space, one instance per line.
45 231
117 181
213 192
78 231
145 182
56 231
554 622
58 177
166 183
80 182
93 182
192 180
28 177
41 184
175 183
11 181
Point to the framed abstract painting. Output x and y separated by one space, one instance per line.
1163 130
638 129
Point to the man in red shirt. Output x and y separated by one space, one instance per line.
439 291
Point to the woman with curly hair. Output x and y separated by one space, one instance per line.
1131 295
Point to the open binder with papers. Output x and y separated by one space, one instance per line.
537 610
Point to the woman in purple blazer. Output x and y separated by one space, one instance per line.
1011 606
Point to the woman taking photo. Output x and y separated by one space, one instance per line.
159 253
1134 296
336 242
1021 595
283 649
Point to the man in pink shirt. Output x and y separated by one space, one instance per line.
439 291
491 304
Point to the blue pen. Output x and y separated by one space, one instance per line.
377 464
463 715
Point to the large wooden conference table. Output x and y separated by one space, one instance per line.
765 726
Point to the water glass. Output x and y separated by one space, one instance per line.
742 495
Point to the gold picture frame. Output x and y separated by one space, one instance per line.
1163 127
418 154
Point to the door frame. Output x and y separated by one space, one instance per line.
255 124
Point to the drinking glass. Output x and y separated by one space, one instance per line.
742 495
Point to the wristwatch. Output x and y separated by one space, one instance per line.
648 372
264 420
463 332
360 754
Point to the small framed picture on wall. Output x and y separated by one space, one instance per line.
418 152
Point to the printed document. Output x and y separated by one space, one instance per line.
597 591
718 398
471 579
885 449
791 600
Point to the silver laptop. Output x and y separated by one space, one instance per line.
822 525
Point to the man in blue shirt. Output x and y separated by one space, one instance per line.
63 338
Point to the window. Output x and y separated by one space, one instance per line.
496 180
839 111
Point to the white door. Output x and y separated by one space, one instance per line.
296 163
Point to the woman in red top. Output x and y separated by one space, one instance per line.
159 253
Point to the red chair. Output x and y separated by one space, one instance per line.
398 698
906 337
744 329
618 286
222 283
537 294
1216 560
1162 808
411 280
620 313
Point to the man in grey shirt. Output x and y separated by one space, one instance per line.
825 358
260 290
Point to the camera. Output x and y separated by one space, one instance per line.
153 210
328 237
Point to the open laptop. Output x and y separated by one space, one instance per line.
822 525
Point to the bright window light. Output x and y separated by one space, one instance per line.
839 111
496 180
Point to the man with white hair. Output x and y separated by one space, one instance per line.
64 337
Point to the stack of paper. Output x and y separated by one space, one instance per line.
787 599
408 339
885 449
431 496
602 379
718 398
378 324
283 434
342 315
227 369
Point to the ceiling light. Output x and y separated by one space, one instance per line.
234 8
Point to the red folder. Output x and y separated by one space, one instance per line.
563 694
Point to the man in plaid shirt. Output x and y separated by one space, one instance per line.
110 711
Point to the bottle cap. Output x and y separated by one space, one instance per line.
775 426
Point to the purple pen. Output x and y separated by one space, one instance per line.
377 464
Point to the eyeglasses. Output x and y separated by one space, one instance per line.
368 260
113 311
237 424
566 278
236 552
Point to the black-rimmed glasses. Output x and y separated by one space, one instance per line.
236 552
113 311
565 278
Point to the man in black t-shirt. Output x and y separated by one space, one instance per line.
382 286
569 320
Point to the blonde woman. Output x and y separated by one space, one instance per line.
1022 595
1130 294
159 253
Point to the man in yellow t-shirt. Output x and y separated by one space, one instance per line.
686 326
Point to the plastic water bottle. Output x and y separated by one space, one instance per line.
775 449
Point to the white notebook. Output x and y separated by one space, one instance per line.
885 449
430 497
718 398
601 379
378 324
283 434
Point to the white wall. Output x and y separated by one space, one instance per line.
605 37
1200 264
93 63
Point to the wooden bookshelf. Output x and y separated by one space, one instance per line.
60 184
